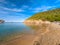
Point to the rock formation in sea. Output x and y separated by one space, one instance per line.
2 21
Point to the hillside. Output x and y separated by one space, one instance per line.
51 15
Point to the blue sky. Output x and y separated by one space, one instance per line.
19 10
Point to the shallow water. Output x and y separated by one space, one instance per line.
8 30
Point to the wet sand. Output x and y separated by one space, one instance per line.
25 39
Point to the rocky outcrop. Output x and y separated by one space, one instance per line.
2 21
36 22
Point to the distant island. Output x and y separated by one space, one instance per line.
51 15
2 21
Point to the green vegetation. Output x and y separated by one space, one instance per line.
51 15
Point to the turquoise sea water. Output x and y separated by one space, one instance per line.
8 30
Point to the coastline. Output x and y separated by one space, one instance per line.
48 34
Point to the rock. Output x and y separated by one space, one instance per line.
2 21
36 43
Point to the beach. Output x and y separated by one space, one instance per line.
46 35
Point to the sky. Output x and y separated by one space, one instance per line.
20 10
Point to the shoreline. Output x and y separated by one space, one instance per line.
48 34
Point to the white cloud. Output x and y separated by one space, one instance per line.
37 9
25 7
43 8
14 9
3 12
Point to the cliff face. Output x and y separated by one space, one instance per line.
36 22
2 21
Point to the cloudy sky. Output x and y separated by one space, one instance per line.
19 10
